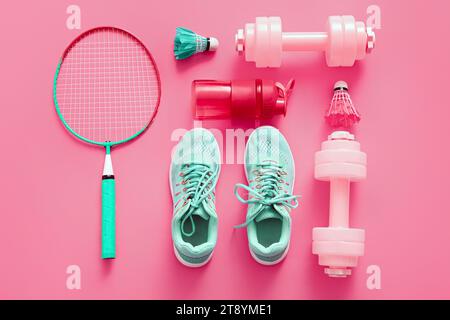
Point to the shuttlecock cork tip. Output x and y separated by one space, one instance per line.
339 85
213 44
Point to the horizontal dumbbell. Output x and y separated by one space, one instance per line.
344 41
340 162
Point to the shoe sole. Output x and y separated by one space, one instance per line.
263 262
185 263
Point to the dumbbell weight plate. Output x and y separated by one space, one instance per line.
349 41
276 45
338 248
341 155
338 234
361 40
249 42
350 171
335 41
262 42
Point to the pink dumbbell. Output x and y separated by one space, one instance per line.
344 42
340 161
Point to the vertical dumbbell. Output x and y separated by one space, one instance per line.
340 162
344 41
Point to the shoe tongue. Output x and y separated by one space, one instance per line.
268 212
201 212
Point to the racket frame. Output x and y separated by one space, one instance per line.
55 82
108 179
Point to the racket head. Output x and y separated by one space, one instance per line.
106 88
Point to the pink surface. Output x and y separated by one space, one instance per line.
50 205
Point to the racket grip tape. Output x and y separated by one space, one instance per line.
108 217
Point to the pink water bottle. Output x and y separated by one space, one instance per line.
251 99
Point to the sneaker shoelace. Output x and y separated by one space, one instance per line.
267 192
199 182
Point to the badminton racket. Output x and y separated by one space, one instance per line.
106 92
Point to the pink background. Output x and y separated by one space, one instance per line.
50 182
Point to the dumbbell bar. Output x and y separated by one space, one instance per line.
344 42
340 162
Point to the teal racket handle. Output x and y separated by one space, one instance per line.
108 218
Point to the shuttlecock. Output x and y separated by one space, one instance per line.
188 43
342 113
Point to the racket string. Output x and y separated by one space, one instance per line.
108 87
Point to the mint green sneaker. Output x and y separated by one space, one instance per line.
270 172
194 172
